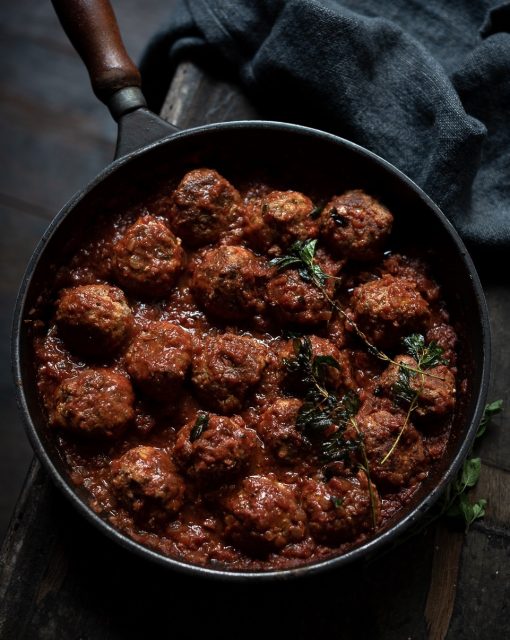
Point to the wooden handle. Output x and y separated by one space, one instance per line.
93 31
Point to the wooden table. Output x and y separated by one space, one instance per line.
62 579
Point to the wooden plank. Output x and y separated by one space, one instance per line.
56 136
67 578
495 446
483 594
36 21
60 89
219 100
494 486
20 233
443 581
43 167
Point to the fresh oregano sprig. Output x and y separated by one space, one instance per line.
455 502
322 409
302 257
426 356
491 410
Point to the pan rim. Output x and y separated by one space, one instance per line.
366 549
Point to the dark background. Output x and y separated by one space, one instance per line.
54 137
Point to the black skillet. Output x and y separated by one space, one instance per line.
297 157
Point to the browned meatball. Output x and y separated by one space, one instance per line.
264 516
296 302
435 389
95 402
203 206
229 283
412 269
94 319
277 428
145 480
389 308
341 509
278 219
148 258
226 368
407 463
214 449
335 378
159 358
355 225
444 335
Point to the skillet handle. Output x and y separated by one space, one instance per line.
93 31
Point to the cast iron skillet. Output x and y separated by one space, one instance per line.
149 148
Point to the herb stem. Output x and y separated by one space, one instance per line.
412 407
365 467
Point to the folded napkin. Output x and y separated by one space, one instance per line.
423 83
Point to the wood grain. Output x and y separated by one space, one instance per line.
55 136
443 580
219 100
483 591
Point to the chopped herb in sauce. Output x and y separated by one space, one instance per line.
199 427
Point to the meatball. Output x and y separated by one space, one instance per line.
296 302
413 269
387 309
226 368
94 402
214 449
444 335
407 464
277 428
278 219
229 283
334 377
94 319
263 516
355 225
147 258
203 206
435 389
158 359
146 482
341 509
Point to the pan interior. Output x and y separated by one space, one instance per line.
289 158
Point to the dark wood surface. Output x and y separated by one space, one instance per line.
63 579
55 137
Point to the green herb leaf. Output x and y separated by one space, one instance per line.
320 366
469 474
426 356
317 210
339 219
338 447
402 390
321 408
301 256
491 409
199 427
467 510
336 502
312 419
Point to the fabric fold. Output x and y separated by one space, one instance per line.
411 80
